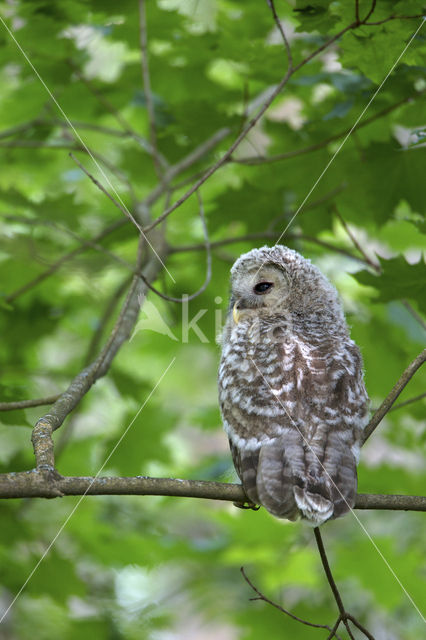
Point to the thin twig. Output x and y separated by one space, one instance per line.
65 258
187 161
414 313
333 633
96 182
121 121
355 242
372 24
60 145
331 581
328 573
109 310
309 206
91 243
371 11
207 247
409 401
393 394
25 404
147 88
324 143
20 128
264 235
79 124
254 120
360 626
282 32
261 596
41 144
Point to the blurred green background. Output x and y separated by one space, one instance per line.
168 568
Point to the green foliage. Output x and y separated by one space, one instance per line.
398 280
129 567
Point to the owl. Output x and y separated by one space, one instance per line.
291 389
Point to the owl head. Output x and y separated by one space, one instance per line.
270 281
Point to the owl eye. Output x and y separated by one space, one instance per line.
262 287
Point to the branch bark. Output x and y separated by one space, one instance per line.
67 401
35 484
344 615
261 596
25 404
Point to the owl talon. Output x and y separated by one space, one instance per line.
247 505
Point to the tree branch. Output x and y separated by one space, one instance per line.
25 404
252 122
147 88
109 310
344 615
118 204
414 313
187 161
264 235
393 394
20 128
67 401
207 247
355 242
406 402
30 484
127 129
372 24
324 143
282 32
65 258
261 596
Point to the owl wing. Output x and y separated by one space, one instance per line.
310 468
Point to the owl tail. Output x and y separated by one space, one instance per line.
292 482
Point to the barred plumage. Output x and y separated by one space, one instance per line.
291 387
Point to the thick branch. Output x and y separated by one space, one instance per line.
252 122
67 401
394 393
29 484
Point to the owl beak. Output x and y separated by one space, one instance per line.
236 314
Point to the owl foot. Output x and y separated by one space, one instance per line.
247 505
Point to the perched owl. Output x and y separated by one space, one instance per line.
291 387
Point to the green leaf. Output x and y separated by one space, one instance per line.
398 280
